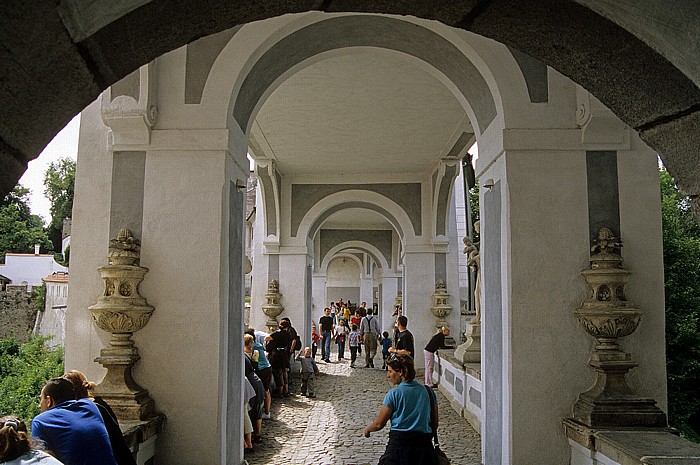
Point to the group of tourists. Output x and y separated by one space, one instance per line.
74 427
268 363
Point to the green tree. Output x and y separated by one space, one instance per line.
681 235
59 183
24 368
19 229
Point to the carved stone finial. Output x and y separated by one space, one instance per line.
125 249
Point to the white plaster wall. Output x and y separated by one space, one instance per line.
52 320
640 224
547 351
319 297
90 241
389 290
259 275
293 288
420 285
180 347
343 272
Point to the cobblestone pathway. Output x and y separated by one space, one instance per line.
327 430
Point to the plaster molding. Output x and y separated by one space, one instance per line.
365 247
265 169
523 139
180 140
447 171
131 119
404 224
271 245
294 250
598 124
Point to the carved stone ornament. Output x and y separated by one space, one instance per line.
121 311
440 308
607 315
272 307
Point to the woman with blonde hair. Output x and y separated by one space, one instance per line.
16 447
85 389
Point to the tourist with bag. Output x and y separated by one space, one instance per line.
412 409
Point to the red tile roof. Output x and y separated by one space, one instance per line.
57 277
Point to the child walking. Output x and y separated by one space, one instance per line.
386 343
315 337
309 370
354 340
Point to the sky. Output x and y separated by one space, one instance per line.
64 145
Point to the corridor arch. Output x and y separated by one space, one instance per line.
427 278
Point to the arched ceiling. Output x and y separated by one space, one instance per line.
357 114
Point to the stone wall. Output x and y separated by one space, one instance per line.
17 313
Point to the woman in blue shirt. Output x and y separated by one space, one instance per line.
408 407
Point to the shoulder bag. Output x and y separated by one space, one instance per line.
440 456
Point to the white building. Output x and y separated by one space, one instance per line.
29 269
52 320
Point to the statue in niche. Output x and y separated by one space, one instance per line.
471 250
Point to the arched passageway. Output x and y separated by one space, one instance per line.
176 179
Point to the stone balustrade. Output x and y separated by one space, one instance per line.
461 384
141 437
629 446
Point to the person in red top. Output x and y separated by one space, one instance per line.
355 320
315 337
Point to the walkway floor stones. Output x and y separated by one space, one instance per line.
327 430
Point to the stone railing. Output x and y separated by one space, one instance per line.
461 383
621 446
141 437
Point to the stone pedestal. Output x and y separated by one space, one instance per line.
122 311
470 351
607 316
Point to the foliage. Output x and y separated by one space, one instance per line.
39 297
681 235
63 258
24 368
474 207
19 229
59 183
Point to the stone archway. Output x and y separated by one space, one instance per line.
656 92
425 264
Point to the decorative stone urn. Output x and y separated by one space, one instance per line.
272 307
440 307
607 316
122 311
